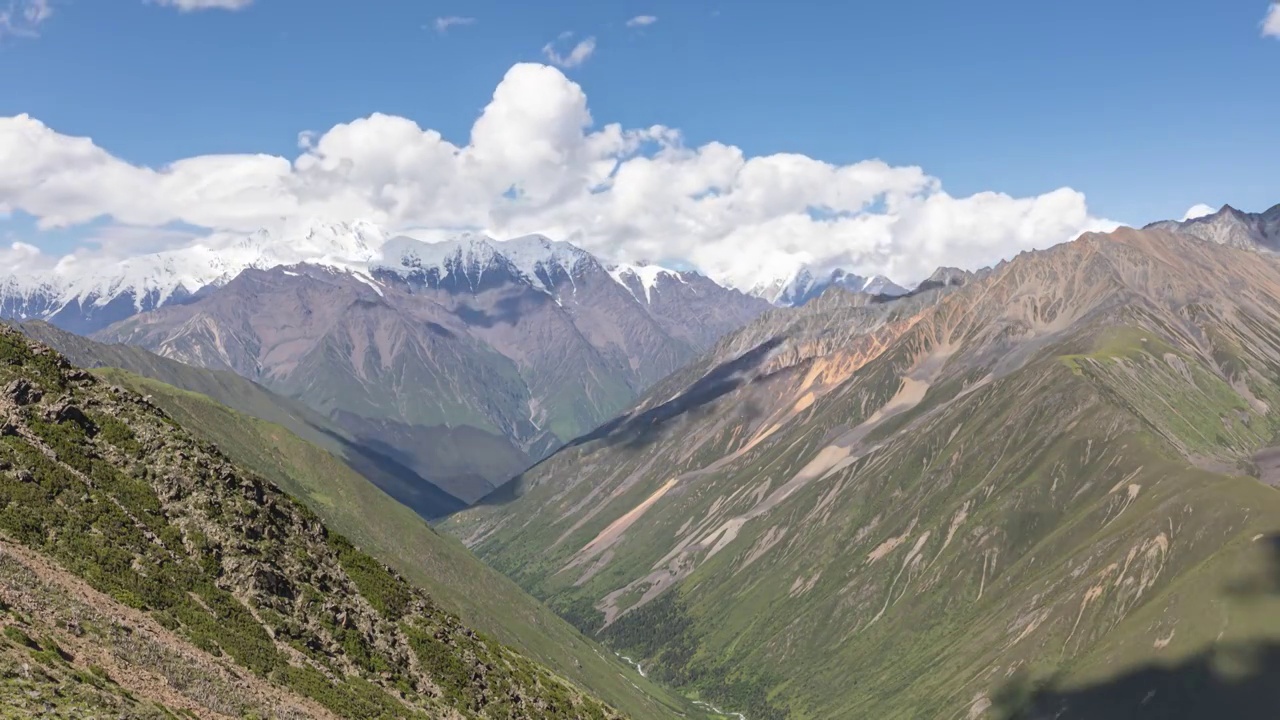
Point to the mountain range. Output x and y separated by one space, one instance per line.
1042 490
463 360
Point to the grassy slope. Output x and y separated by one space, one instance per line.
389 530
124 501
229 389
1080 513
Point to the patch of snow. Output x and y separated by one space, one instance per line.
644 273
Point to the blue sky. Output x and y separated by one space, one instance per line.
1146 107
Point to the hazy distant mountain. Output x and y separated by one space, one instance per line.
84 297
801 284
475 354
1027 494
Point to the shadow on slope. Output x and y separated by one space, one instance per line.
642 429
638 431
465 463
1239 680
394 478
378 463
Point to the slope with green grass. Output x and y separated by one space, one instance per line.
971 506
300 452
395 534
203 584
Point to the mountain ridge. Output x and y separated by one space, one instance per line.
930 494
454 344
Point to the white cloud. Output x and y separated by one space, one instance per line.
642 20
194 5
620 193
23 18
575 57
1271 24
444 23
1198 211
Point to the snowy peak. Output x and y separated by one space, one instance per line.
803 284
642 277
471 258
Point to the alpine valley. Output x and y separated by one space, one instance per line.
462 360
1046 490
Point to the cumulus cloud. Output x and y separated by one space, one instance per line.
536 161
1198 211
642 21
23 18
577 55
1271 24
194 5
444 23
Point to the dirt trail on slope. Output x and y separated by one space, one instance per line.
141 655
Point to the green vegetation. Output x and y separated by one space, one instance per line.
374 522
97 480
1065 503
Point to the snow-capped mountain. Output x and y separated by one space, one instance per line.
1229 226
474 261
803 284
83 297
642 278
86 297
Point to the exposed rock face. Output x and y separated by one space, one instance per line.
1233 228
1039 471
475 352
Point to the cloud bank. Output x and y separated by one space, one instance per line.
536 162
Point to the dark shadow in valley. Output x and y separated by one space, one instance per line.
1239 680
641 430
635 432
394 477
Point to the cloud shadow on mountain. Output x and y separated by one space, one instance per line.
1239 680
506 311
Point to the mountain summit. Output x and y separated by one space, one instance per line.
1231 227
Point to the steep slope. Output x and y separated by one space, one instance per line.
1229 226
494 352
967 503
197 583
286 443
247 397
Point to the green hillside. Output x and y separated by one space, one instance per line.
137 554
1044 494
390 531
